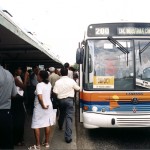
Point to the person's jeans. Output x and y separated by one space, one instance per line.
66 112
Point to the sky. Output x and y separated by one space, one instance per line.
61 24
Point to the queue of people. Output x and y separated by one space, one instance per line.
44 90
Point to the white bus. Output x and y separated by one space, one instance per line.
114 63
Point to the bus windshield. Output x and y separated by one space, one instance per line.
117 64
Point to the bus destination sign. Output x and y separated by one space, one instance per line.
133 31
119 29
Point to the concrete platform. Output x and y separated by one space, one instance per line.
57 141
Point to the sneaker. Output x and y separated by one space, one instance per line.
34 147
45 145
68 141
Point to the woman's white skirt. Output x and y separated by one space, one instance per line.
43 117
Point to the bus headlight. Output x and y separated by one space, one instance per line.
94 108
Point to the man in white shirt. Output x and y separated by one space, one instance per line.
64 88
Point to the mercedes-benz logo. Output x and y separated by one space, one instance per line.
134 100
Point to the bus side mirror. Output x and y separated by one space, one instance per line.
79 55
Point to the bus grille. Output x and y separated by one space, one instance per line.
133 122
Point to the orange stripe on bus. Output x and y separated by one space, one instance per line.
113 96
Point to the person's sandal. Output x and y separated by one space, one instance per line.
34 147
45 145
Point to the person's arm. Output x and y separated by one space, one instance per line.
26 78
41 102
23 84
40 96
14 90
55 91
19 83
76 86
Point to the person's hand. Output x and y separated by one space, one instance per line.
26 74
45 107
26 77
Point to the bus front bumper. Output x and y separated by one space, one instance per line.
97 120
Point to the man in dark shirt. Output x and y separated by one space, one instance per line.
7 90
33 83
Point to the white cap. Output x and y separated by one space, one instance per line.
51 69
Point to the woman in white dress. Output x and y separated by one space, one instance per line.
43 110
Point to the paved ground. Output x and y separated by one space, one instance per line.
57 141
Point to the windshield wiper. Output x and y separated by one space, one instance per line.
142 50
140 53
145 47
115 42
120 47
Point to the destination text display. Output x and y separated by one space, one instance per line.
119 29
133 31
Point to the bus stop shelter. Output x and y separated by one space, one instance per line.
17 46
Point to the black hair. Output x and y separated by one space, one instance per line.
34 67
75 75
13 69
66 65
44 75
64 72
